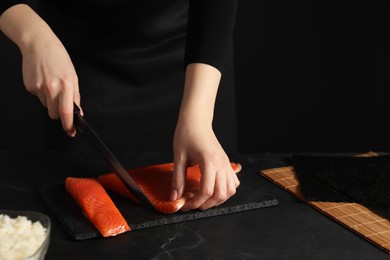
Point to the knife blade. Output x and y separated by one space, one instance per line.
82 125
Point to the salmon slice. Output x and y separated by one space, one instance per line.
156 181
97 206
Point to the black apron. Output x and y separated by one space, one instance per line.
130 64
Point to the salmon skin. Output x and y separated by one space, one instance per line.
156 181
97 206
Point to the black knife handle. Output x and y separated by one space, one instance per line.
76 108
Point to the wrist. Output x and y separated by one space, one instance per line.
194 118
24 27
200 90
35 39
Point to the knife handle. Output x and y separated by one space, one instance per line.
76 118
76 108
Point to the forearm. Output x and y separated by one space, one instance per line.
48 71
195 142
200 91
23 26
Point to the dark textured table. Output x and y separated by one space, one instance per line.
290 230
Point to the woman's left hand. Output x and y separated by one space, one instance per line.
195 143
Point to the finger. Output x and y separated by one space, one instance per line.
236 180
65 109
235 175
222 195
178 178
42 98
34 90
231 185
52 106
220 192
77 97
207 182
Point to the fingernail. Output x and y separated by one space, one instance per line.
174 195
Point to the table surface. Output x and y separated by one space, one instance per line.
290 230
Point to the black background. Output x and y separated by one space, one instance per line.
311 76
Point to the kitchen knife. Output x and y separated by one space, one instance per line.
82 125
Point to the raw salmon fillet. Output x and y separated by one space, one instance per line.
97 206
155 181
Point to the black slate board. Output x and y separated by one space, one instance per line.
247 197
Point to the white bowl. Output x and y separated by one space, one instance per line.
34 216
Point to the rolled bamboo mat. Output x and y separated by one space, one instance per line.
353 216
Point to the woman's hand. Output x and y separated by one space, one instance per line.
195 142
48 72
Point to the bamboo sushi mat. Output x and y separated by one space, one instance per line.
354 216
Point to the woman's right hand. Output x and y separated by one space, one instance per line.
48 72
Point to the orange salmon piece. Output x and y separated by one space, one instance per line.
156 182
97 206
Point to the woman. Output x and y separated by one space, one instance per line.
122 63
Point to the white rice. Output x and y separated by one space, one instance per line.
19 237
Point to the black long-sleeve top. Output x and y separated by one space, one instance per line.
209 29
